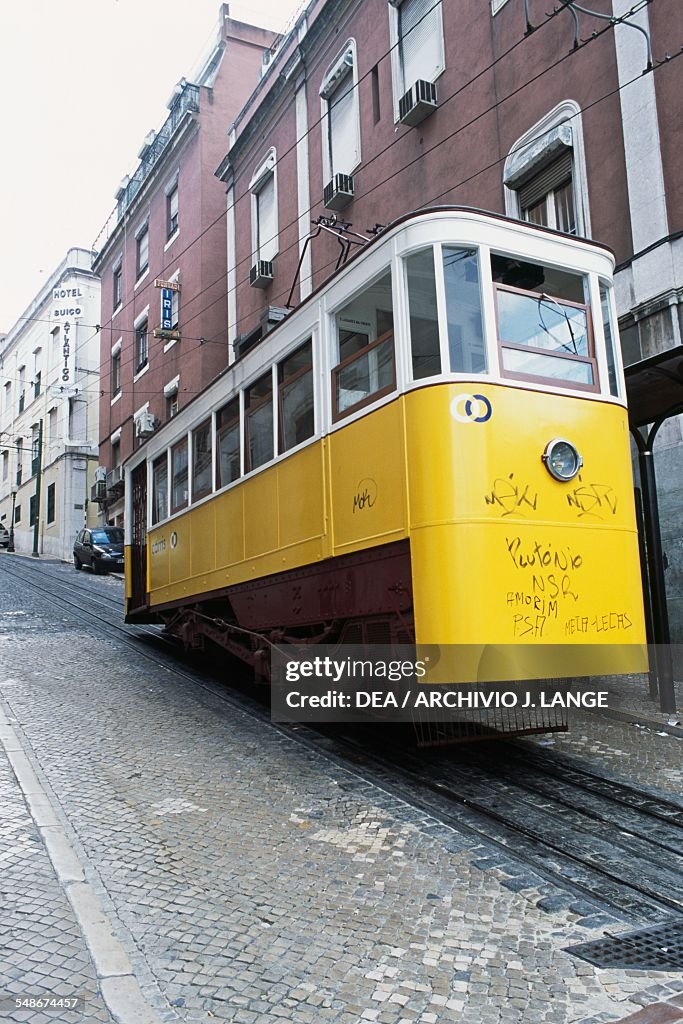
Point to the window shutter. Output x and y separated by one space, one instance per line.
342 127
267 221
420 41
551 177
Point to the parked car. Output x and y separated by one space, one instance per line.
101 548
4 536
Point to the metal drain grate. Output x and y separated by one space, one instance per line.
652 949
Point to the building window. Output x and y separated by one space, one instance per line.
17 514
142 251
117 297
56 353
5 465
115 454
545 173
179 476
228 443
364 369
116 373
258 422
20 459
341 122
417 38
548 198
141 346
295 376
160 489
172 212
32 504
264 216
51 503
36 384
171 405
22 388
201 460
8 396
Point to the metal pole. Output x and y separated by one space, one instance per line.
649 623
39 473
662 639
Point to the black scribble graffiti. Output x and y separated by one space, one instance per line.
511 496
596 500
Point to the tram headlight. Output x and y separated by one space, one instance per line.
561 459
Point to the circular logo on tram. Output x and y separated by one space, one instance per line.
174 540
471 408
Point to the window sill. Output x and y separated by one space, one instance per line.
172 239
117 310
143 276
141 372
171 343
115 399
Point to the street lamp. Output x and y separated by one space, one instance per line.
10 546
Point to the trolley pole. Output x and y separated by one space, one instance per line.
39 473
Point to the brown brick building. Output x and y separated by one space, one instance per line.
169 224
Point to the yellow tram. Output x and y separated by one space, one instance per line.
433 448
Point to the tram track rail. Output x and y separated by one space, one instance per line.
590 836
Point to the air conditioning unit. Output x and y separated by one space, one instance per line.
98 491
145 425
418 103
261 274
339 192
100 474
115 478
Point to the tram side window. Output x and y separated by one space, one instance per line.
463 310
179 480
228 443
544 324
160 489
295 376
258 422
609 339
365 349
424 322
201 461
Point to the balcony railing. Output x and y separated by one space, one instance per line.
186 102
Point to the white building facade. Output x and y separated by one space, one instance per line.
49 409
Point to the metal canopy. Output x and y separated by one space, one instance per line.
654 387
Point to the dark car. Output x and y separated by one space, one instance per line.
101 548
4 536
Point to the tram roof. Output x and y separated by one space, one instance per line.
654 387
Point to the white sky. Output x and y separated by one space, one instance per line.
82 82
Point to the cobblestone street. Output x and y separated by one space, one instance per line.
169 857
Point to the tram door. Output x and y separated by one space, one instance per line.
139 538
